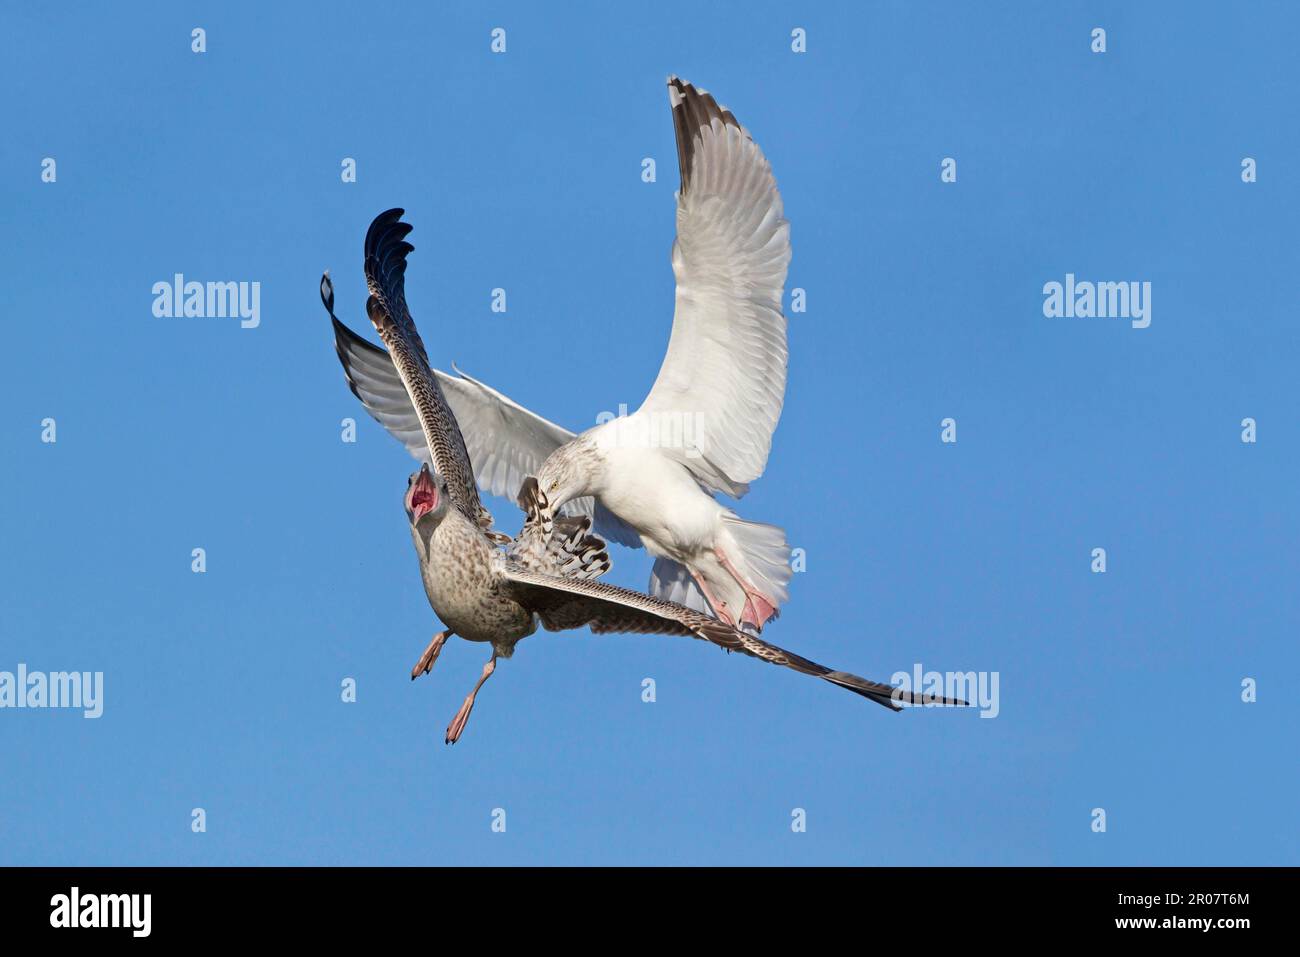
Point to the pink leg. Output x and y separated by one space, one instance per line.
431 654
759 609
458 723
719 607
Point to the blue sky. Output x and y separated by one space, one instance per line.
522 170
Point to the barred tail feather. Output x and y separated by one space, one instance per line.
576 552
563 546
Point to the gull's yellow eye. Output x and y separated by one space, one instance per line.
555 485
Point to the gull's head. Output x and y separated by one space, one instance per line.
426 497
564 476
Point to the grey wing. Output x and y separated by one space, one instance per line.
564 603
506 442
386 250
374 380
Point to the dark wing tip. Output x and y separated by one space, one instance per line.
377 226
890 696
693 110
386 251
734 640
327 292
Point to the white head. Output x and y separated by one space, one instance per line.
567 474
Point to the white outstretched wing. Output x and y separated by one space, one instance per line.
725 368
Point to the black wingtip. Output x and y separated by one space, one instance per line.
693 110
327 292
921 700
890 697
386 252
385 231
385 264
386 218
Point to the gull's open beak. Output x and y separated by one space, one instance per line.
424 494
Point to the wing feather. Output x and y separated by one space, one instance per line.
505 441
386 250
564 603
727 355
